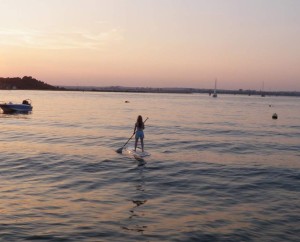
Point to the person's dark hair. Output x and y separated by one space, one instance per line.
139 122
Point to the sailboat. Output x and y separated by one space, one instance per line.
262 91
215 91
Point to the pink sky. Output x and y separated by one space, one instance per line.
157 43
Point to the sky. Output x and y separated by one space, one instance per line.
244 44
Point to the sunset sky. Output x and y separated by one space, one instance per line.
153 43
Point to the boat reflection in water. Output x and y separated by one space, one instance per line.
24 107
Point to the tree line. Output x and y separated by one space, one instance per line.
25 83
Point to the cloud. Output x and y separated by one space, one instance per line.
60 40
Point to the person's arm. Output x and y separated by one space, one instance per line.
134 129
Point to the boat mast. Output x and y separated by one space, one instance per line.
263 87
215 91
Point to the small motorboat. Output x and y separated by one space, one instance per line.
24 107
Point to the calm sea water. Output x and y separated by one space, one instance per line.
220 169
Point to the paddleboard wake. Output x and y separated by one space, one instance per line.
138 154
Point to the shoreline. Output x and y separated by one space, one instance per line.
168 91
179 91
30 83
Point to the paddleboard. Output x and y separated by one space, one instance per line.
138 154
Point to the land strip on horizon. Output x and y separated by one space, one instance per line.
30 83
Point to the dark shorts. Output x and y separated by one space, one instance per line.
139 134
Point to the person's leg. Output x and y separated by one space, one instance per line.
142 143
135 144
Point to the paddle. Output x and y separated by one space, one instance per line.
120 149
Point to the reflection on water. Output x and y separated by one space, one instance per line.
220 169
136 213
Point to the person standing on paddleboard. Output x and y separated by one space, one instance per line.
139 132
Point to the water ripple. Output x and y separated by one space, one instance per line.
216 172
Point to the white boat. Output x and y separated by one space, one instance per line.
262 90
215 91
24 107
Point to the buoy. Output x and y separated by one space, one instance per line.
275 116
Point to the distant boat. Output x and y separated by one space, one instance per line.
215 91
24 107
275 116
262 90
